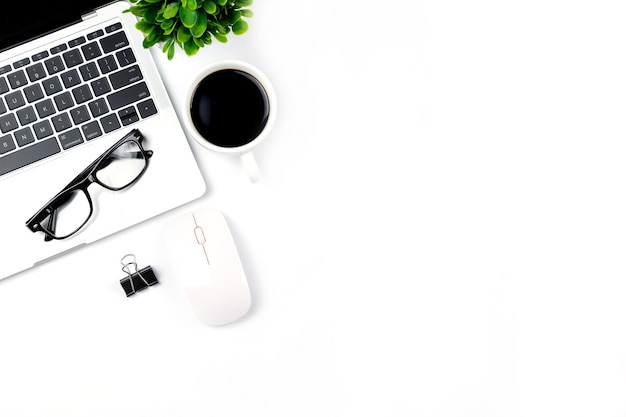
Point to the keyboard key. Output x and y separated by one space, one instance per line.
96 34
45 108
100 86
15 100
82 94
61 122
128 95
17 79
52 85
5 69
115 41
33 93
78 41
70 138
107 64
27 115
21 63
72 58
24 136
91 51
3 108
40 55
63 101
54 65
113 27
98 107
4 86
6 144
8 122
36 72
80 115
70 78
146 108
91 130
128 115
89 71
125 57
58 48
43 129
28 155
126 77
110 123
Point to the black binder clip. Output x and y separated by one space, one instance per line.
137 280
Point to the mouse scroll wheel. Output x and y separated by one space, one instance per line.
199 235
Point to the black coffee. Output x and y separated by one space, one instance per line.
229 108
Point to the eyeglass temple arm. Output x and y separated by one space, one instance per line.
46 212
52 222
51 226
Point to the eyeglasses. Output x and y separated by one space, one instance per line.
116 169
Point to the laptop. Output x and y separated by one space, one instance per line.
74 80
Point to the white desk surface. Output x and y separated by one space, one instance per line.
440 231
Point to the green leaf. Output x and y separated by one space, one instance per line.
192 4
183 34
243 3
168 43
136 10
240 27
168 26
147 43
190 48
210 7
234 17
188 17
220 37
222 2
200 27
143 26
170 52
154 36
151 14
247 13
171 10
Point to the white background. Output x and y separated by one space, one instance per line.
440 230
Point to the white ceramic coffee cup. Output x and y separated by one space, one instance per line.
245 150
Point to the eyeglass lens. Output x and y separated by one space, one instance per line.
122 166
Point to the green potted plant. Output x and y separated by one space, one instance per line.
189 24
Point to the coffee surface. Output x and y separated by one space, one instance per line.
229 108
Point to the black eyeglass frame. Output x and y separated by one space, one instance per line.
81 182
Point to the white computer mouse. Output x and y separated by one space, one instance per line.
207 261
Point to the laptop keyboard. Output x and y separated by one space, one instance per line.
67 95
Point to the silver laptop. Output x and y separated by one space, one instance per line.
75 82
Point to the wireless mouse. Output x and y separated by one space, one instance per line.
207 262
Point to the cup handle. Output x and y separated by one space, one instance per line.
251 166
